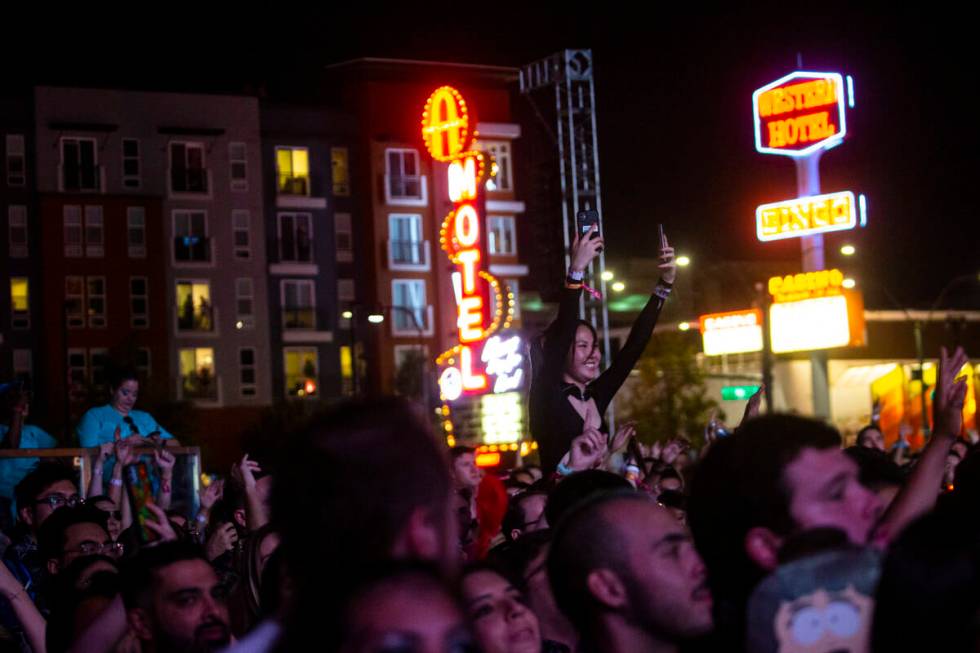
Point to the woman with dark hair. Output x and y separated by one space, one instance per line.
568 396
99 425
499 616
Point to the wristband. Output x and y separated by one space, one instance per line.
576 276
116 481
564 469
202 517
662 289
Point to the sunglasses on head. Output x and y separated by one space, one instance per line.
132 424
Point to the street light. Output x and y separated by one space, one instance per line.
618 286
683 261
376 318
347 315
848 250
608 275
849 283
684 326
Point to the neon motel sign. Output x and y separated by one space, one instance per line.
805 216
800 113
484 306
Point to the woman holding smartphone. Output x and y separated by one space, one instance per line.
568 395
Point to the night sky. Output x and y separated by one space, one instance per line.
674 106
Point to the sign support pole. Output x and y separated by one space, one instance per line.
808 183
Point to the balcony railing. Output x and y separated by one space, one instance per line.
301 317
200 386
190 180
294 185
81 178
197 318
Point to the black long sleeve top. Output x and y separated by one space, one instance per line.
553 420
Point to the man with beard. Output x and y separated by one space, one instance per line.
625 571
174 601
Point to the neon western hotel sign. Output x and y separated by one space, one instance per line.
480 354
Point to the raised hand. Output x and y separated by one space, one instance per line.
947 407
667 267
222 539
211 494
584 249
160 524
623 434
245 471
587 450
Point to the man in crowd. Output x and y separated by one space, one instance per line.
525 514
174 601
466 475
74 532
626 572
367 483
780 475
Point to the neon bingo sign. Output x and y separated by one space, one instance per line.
482 351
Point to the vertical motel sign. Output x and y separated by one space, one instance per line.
448 135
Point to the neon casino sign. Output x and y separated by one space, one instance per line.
486 359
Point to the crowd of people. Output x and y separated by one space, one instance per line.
367 535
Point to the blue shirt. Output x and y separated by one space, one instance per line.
98 425
12 470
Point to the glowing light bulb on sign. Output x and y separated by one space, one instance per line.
480 300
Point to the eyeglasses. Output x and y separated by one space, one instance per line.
56 501
114 514
132 425
110 549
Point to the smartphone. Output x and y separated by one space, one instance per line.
660 234
140 491
585 220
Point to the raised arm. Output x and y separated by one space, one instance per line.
609 382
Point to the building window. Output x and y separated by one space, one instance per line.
23 364
79 169
241 236
143 362
409 354
16 163
346 371
95 290
408 300
98 359
78 367
131 164
20 303
343 237
75 302
197 379
500 151
300 366
136 230
244 303
298 306
191 242
293 167
246 371
94 232
139 305
188 173
17 231
239 166
502 238
340 171
402 173
295 237
194 310
73 231
345 290
407 246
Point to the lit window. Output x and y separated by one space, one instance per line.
300 367
293 166
194 310
409 310
20 303
340 172
197 379
501 239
